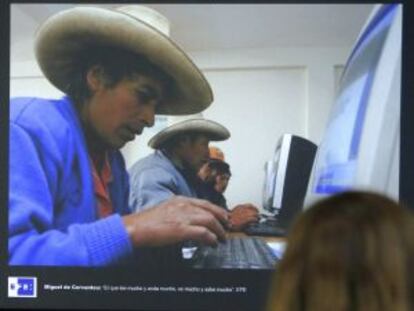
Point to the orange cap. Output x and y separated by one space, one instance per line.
216 153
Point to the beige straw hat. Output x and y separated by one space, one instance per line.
180 124
134 28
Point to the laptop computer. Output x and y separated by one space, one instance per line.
235 253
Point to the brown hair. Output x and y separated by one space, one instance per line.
116 64
350 252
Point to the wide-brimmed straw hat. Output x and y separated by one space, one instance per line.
196 124
135 28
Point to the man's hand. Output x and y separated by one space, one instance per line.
243 215
176 220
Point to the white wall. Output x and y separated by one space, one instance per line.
259 94
26 79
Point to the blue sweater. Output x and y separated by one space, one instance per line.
52 208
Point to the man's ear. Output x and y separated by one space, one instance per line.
94 78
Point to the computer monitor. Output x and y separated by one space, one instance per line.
360 147
287 176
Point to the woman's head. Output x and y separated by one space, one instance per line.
350 252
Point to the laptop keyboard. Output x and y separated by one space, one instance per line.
265 229
235 253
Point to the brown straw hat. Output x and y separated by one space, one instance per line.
134 28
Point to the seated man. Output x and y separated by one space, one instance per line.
68 186
180 150
215 175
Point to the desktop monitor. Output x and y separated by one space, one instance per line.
287 176
360 146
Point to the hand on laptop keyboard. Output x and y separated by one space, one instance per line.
242 215
176 220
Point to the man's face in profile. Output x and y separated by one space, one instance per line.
195 151
221 182
116 114
207 174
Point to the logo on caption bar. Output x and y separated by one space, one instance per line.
22 287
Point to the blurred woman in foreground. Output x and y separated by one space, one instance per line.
350 252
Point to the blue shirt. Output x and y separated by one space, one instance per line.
155 179
52 208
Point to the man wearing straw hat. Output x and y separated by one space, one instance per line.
180 150
68 187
